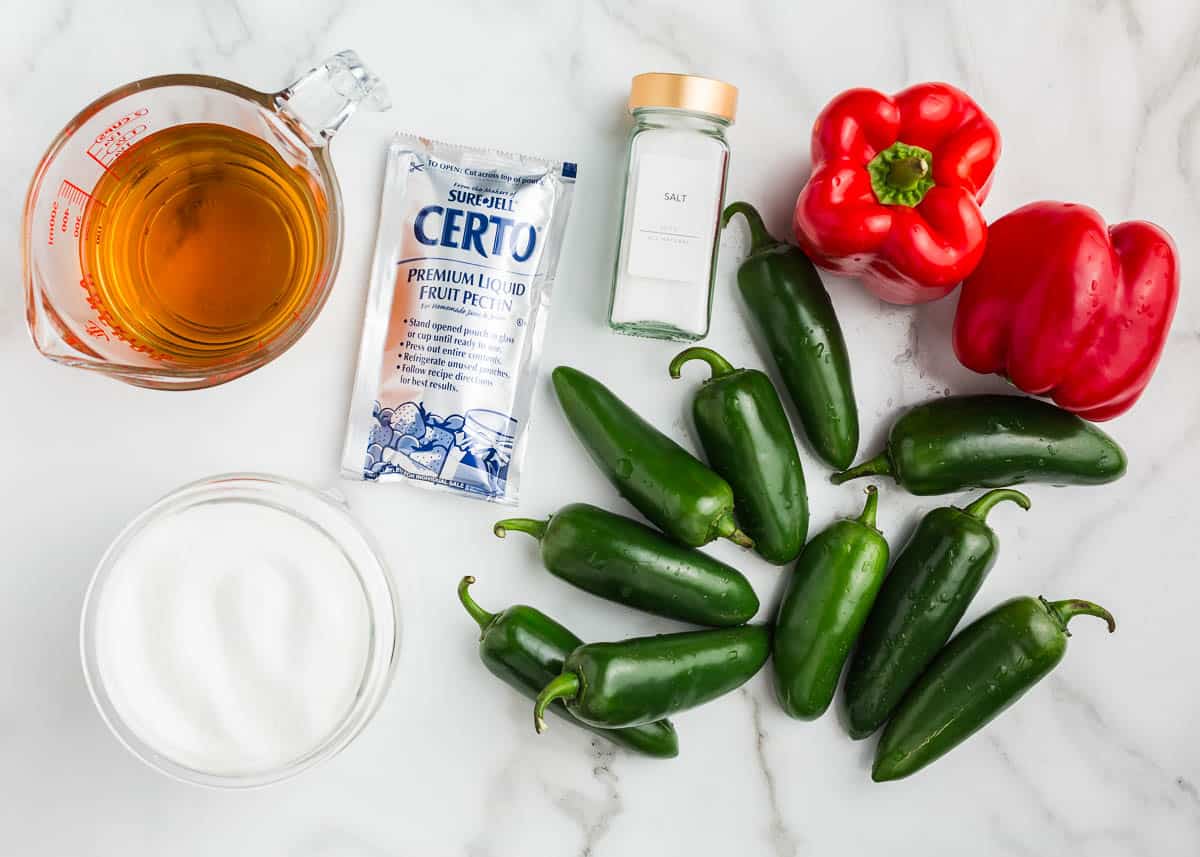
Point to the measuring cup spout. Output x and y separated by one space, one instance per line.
321 101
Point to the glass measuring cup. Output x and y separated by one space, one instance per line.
68 316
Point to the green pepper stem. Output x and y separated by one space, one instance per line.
480 615
901 174
880 465
1067 609
904 173
532 526
719 365
727 529
980 508
562 686
867 518
760 238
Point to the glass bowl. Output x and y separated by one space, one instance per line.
320 511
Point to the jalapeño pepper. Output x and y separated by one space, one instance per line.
922 600
788 301
824 607
989 442
525 648
627 562
980 673
663 481
615 685
747 438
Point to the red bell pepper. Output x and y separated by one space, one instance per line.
1070 308
896 187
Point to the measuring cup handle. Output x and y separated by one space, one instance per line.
321 101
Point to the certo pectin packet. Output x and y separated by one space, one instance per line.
464 263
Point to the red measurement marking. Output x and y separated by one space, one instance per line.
103 165
118 138
94 329
72 192
93 300
66 212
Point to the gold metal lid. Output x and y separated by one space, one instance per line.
684 92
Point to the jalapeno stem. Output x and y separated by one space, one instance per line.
727 529
760 238
483 617
1065 610
719 365
867 518
532 526
980 508
562 686
880 465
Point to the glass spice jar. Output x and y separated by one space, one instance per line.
671 211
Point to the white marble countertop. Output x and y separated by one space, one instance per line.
1099 102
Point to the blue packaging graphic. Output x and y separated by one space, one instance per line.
464 265
470 451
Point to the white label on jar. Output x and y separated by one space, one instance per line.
674 218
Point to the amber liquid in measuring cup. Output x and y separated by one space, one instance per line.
202 243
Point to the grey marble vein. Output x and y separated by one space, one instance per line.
784 842
43 39
594 817
1159 90
226 26
1145 778
1033 793
912 346
1188 143
1133 25
651 25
